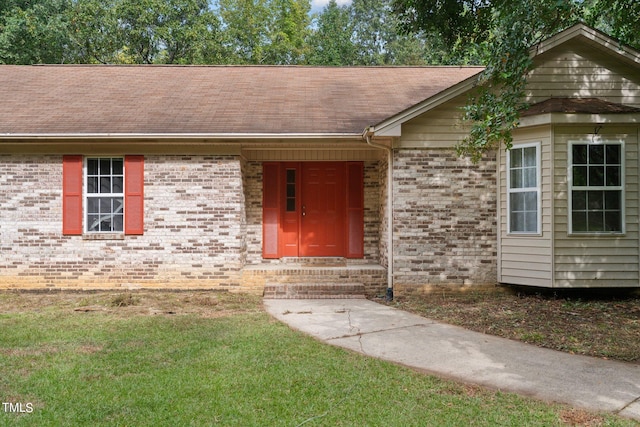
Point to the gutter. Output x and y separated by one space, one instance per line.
367 134
174 136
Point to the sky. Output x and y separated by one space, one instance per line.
318 5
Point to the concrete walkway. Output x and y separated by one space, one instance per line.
395 335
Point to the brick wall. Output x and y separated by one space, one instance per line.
444 219
194 228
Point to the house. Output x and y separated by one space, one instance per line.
259 177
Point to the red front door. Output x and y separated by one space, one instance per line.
323 203
313 209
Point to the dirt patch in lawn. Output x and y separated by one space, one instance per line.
600 323
132 303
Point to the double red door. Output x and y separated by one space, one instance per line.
313 209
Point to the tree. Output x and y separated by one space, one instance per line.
168 31
33 32
265 31
287 32
505 31
330 43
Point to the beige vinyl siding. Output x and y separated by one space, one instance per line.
527 259
597 260
437 128
583 72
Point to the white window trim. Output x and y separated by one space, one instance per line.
537 189
595 140
85 196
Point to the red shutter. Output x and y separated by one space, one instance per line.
270 210
71 195
355 210
134 195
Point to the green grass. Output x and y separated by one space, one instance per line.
240 367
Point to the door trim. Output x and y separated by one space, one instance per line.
276 231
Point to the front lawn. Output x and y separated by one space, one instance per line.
159 358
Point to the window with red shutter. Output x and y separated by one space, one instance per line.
103 195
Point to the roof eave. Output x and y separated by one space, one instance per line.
392 125
177 136
579 118
592 34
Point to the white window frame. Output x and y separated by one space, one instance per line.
86 196
596 140
537 189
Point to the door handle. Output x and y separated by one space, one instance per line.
304 211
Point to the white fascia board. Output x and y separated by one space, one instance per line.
392 126
578 118
179 136
594 35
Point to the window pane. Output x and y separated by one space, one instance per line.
93 223
516 178
594 200
105 185
517 202
291 205
116 164
613 154
531 221
117 185
105 205
92 185
580 176
596 154
105 166
596 176
517 221
291 176
613 176
117 223
529 177
531 201
612 200
579 154
92 166
596 221
529 156
516 158
613 221
579 221
93 205
579 201
291 190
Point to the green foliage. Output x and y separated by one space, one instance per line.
330 43
502 32
33 32
265 31
215 32
494 109
145 31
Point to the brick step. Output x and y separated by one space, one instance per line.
314 290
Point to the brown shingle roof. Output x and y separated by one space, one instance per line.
211 100
577 105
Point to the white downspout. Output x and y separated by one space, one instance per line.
367 136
